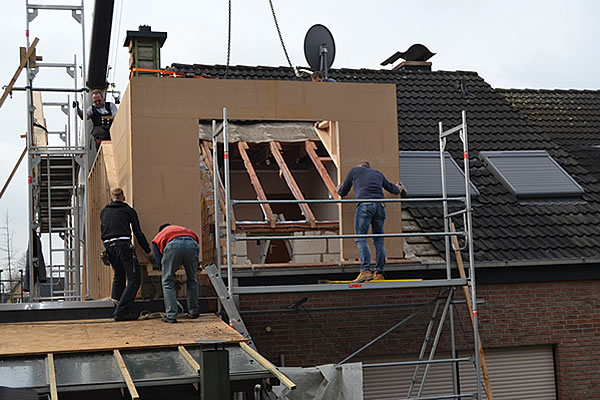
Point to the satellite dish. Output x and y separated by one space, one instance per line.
319 48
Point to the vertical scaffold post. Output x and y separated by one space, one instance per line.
215 169
469 231
227 201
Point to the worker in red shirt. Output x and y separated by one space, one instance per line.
173 246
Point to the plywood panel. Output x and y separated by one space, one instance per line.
105 334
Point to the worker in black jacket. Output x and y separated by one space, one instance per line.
118 219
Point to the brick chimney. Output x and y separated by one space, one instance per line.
144 49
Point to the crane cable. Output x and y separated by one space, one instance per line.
281 40
228 40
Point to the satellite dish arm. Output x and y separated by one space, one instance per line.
323 60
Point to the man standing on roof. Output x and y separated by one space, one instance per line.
118 219
173 246
101 113
368 184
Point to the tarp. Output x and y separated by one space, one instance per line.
323 382
262 132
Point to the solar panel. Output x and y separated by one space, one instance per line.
420 175
531 174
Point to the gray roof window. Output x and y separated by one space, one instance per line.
531 174
420 175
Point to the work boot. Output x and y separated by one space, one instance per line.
378 276
364 276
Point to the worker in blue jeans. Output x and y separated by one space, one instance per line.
174 246
368 184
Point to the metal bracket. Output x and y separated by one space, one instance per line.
31 13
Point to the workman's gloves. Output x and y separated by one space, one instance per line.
75 104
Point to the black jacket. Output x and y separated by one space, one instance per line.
118 219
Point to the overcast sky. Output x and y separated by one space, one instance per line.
510 43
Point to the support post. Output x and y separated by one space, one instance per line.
214 374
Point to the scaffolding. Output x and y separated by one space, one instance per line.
443 301
57 175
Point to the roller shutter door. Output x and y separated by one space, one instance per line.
516 373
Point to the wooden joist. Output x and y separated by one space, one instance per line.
189 359
242 146
13 172
126 376
52 377
291 182
310 150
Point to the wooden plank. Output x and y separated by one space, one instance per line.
24 59
109 164
52 377
126 376
207 154
190 360
242 146
12 173
463 275
106 334
267 364
40 133
291 182
310 150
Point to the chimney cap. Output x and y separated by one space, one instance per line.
416 52
145 32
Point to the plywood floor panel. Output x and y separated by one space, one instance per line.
106 334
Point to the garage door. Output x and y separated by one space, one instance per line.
516 373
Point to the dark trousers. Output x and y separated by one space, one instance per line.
125 267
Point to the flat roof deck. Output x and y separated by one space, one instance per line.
28 338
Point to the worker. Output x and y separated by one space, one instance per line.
101 113
317 76
368 184
118 219
173 246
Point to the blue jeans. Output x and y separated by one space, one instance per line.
177 252
370 214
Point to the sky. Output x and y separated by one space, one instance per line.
550 44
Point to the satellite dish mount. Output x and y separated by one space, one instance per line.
319 49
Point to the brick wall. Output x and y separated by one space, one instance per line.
564 314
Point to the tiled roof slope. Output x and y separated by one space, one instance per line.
570 117
504 228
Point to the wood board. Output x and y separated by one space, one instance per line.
105 334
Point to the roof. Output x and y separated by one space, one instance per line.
504 228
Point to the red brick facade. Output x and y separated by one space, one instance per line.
563 314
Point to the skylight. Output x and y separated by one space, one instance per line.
420 175
531 174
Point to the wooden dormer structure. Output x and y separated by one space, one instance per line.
156 152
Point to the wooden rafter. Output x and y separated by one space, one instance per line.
207 154
310 150
291 182
242 146
126 375
24 59
52 377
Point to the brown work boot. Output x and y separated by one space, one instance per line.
378 276
364 276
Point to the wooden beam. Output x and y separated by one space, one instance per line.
463 275
190 360
291 182
207 153
242 146
52 377
13 172
267 364
310 150
126 376
24 59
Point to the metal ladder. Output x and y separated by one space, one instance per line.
57 176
